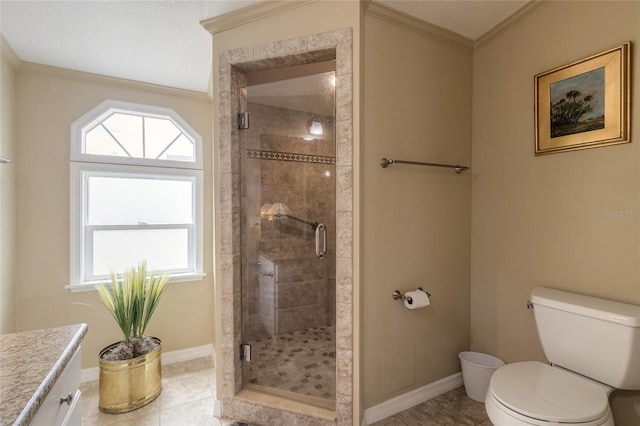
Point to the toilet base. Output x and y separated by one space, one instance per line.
503 416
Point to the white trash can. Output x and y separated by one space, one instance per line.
477 369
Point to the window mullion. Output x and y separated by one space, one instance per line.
169 146
93 228
115 139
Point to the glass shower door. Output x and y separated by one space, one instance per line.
288 238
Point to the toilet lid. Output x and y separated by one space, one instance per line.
542 392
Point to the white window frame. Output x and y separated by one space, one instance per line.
81 126
83 166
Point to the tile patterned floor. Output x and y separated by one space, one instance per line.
452 408
187 399
302 361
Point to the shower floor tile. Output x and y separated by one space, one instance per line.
302 361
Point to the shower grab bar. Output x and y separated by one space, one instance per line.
321 228
314 225
386 162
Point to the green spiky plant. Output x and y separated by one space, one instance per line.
131 300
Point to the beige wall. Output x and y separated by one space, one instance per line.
7 189
48 100
542 220
417 107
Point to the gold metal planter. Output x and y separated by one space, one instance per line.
130 384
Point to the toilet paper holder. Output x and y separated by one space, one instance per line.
400 296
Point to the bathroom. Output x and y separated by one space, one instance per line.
478 241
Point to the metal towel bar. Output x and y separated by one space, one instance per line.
386 162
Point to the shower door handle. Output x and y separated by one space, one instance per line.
321 229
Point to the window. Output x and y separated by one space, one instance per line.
136 193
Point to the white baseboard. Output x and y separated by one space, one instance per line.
91 374
410 399
188 354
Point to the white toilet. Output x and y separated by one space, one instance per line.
594 347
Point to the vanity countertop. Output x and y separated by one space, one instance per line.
30 364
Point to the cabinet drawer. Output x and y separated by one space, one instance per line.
53 411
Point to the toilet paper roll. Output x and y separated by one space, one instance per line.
416 299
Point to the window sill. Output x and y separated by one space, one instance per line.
178 278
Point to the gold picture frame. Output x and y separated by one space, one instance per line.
585 104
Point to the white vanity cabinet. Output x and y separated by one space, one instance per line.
63 405
40 375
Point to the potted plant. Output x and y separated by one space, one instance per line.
130 370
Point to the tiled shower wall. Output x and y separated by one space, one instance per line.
232 66
278 165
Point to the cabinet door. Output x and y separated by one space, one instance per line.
63 401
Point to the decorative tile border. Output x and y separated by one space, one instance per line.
289 156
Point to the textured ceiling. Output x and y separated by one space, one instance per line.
162 42
158 42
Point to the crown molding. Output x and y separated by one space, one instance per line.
103 79
8 53
515 17
251 13
411 23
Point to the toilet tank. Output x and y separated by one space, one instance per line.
597 338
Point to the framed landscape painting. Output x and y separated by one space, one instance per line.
584 104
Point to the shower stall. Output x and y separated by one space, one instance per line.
285 300
288 222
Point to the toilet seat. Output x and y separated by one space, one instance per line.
541 393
